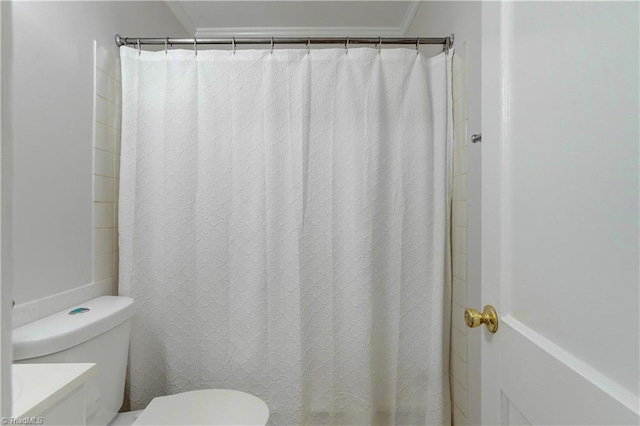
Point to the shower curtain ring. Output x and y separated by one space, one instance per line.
272 45
308 45
195 46
379 44
233 44
346 46
138 43
417 45
166 42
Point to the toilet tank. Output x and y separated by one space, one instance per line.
99 333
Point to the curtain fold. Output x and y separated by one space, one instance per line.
283 229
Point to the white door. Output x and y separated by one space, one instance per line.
560 213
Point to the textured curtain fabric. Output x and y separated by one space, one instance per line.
283 229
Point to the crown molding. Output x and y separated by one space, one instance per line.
176 9
400 31
299 32
409 16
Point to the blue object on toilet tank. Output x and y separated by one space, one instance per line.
78 311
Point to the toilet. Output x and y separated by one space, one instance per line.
98 331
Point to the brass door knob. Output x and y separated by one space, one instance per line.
488 317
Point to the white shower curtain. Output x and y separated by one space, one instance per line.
283 229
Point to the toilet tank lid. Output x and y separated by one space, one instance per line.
63 330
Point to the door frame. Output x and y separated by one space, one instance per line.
494 133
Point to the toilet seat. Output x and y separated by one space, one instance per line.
205 407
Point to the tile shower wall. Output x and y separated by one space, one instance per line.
106 164
458 356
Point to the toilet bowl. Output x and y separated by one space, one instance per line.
98 331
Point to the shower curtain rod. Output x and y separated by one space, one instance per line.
447 42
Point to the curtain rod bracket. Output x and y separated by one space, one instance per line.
448 45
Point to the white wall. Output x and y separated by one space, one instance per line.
47 86
436 19
5 309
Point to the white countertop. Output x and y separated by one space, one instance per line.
38 387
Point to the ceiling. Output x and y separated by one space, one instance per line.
287 18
